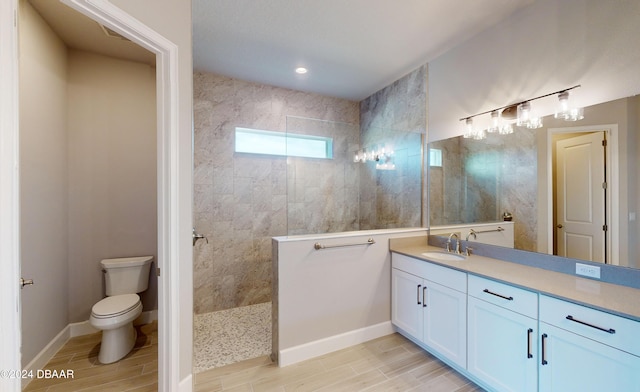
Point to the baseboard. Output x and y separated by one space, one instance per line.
186 385
316 348
46 354
71 331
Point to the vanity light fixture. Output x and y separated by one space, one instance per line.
526 117
565 112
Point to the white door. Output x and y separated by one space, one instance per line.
581 217
575 363
406 302
502 347
445 322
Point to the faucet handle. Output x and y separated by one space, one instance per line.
448 246
467 252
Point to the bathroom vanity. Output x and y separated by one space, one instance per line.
511 327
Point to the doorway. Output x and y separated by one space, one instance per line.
174 193
583 178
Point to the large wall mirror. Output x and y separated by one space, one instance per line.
548 180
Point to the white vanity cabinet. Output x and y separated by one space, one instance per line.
502 335
583 349
429 303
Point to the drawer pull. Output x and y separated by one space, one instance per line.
544 349
498 295
610 330
424 297
529 332
418 293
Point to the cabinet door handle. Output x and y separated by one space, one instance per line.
498 295
544 349
418 294
424 297
529 333
610 330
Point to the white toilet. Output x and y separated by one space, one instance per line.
114 315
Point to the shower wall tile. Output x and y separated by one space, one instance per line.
240 201
394 116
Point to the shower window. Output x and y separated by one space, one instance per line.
256 141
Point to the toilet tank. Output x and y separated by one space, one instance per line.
128 275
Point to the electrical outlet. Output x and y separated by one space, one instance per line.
588 270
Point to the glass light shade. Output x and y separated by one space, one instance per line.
469 132
524 114
506 129
575 114
565 111
495 122
479 134
562 109
534 123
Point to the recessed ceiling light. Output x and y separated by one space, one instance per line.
301 70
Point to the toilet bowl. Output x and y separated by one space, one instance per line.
114 315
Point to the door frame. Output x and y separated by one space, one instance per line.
613 183
174 212
10 334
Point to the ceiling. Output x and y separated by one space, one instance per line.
352 48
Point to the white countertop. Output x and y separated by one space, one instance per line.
620 300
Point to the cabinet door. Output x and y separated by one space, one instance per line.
406 302
502 347
445 322
570 362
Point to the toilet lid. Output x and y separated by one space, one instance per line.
115 305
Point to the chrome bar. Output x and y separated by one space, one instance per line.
474 232
319 246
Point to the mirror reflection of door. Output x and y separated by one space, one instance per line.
581 197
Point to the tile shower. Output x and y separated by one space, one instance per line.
242 200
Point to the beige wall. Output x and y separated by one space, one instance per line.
43 181
112 172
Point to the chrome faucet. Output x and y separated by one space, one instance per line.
472 233
457 243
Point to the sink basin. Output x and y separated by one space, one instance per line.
443 256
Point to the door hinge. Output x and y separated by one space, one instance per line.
157 271
605 227
604 185
604 142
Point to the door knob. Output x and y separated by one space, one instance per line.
25 282
196 237
559 226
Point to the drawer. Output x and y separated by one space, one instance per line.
612 330
504 295
448 277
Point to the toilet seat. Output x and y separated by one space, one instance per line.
115 306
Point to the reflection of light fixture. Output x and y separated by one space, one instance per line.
564 111
301 70
525 116
382 156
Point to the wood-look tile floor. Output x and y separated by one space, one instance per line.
138 371
390 363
